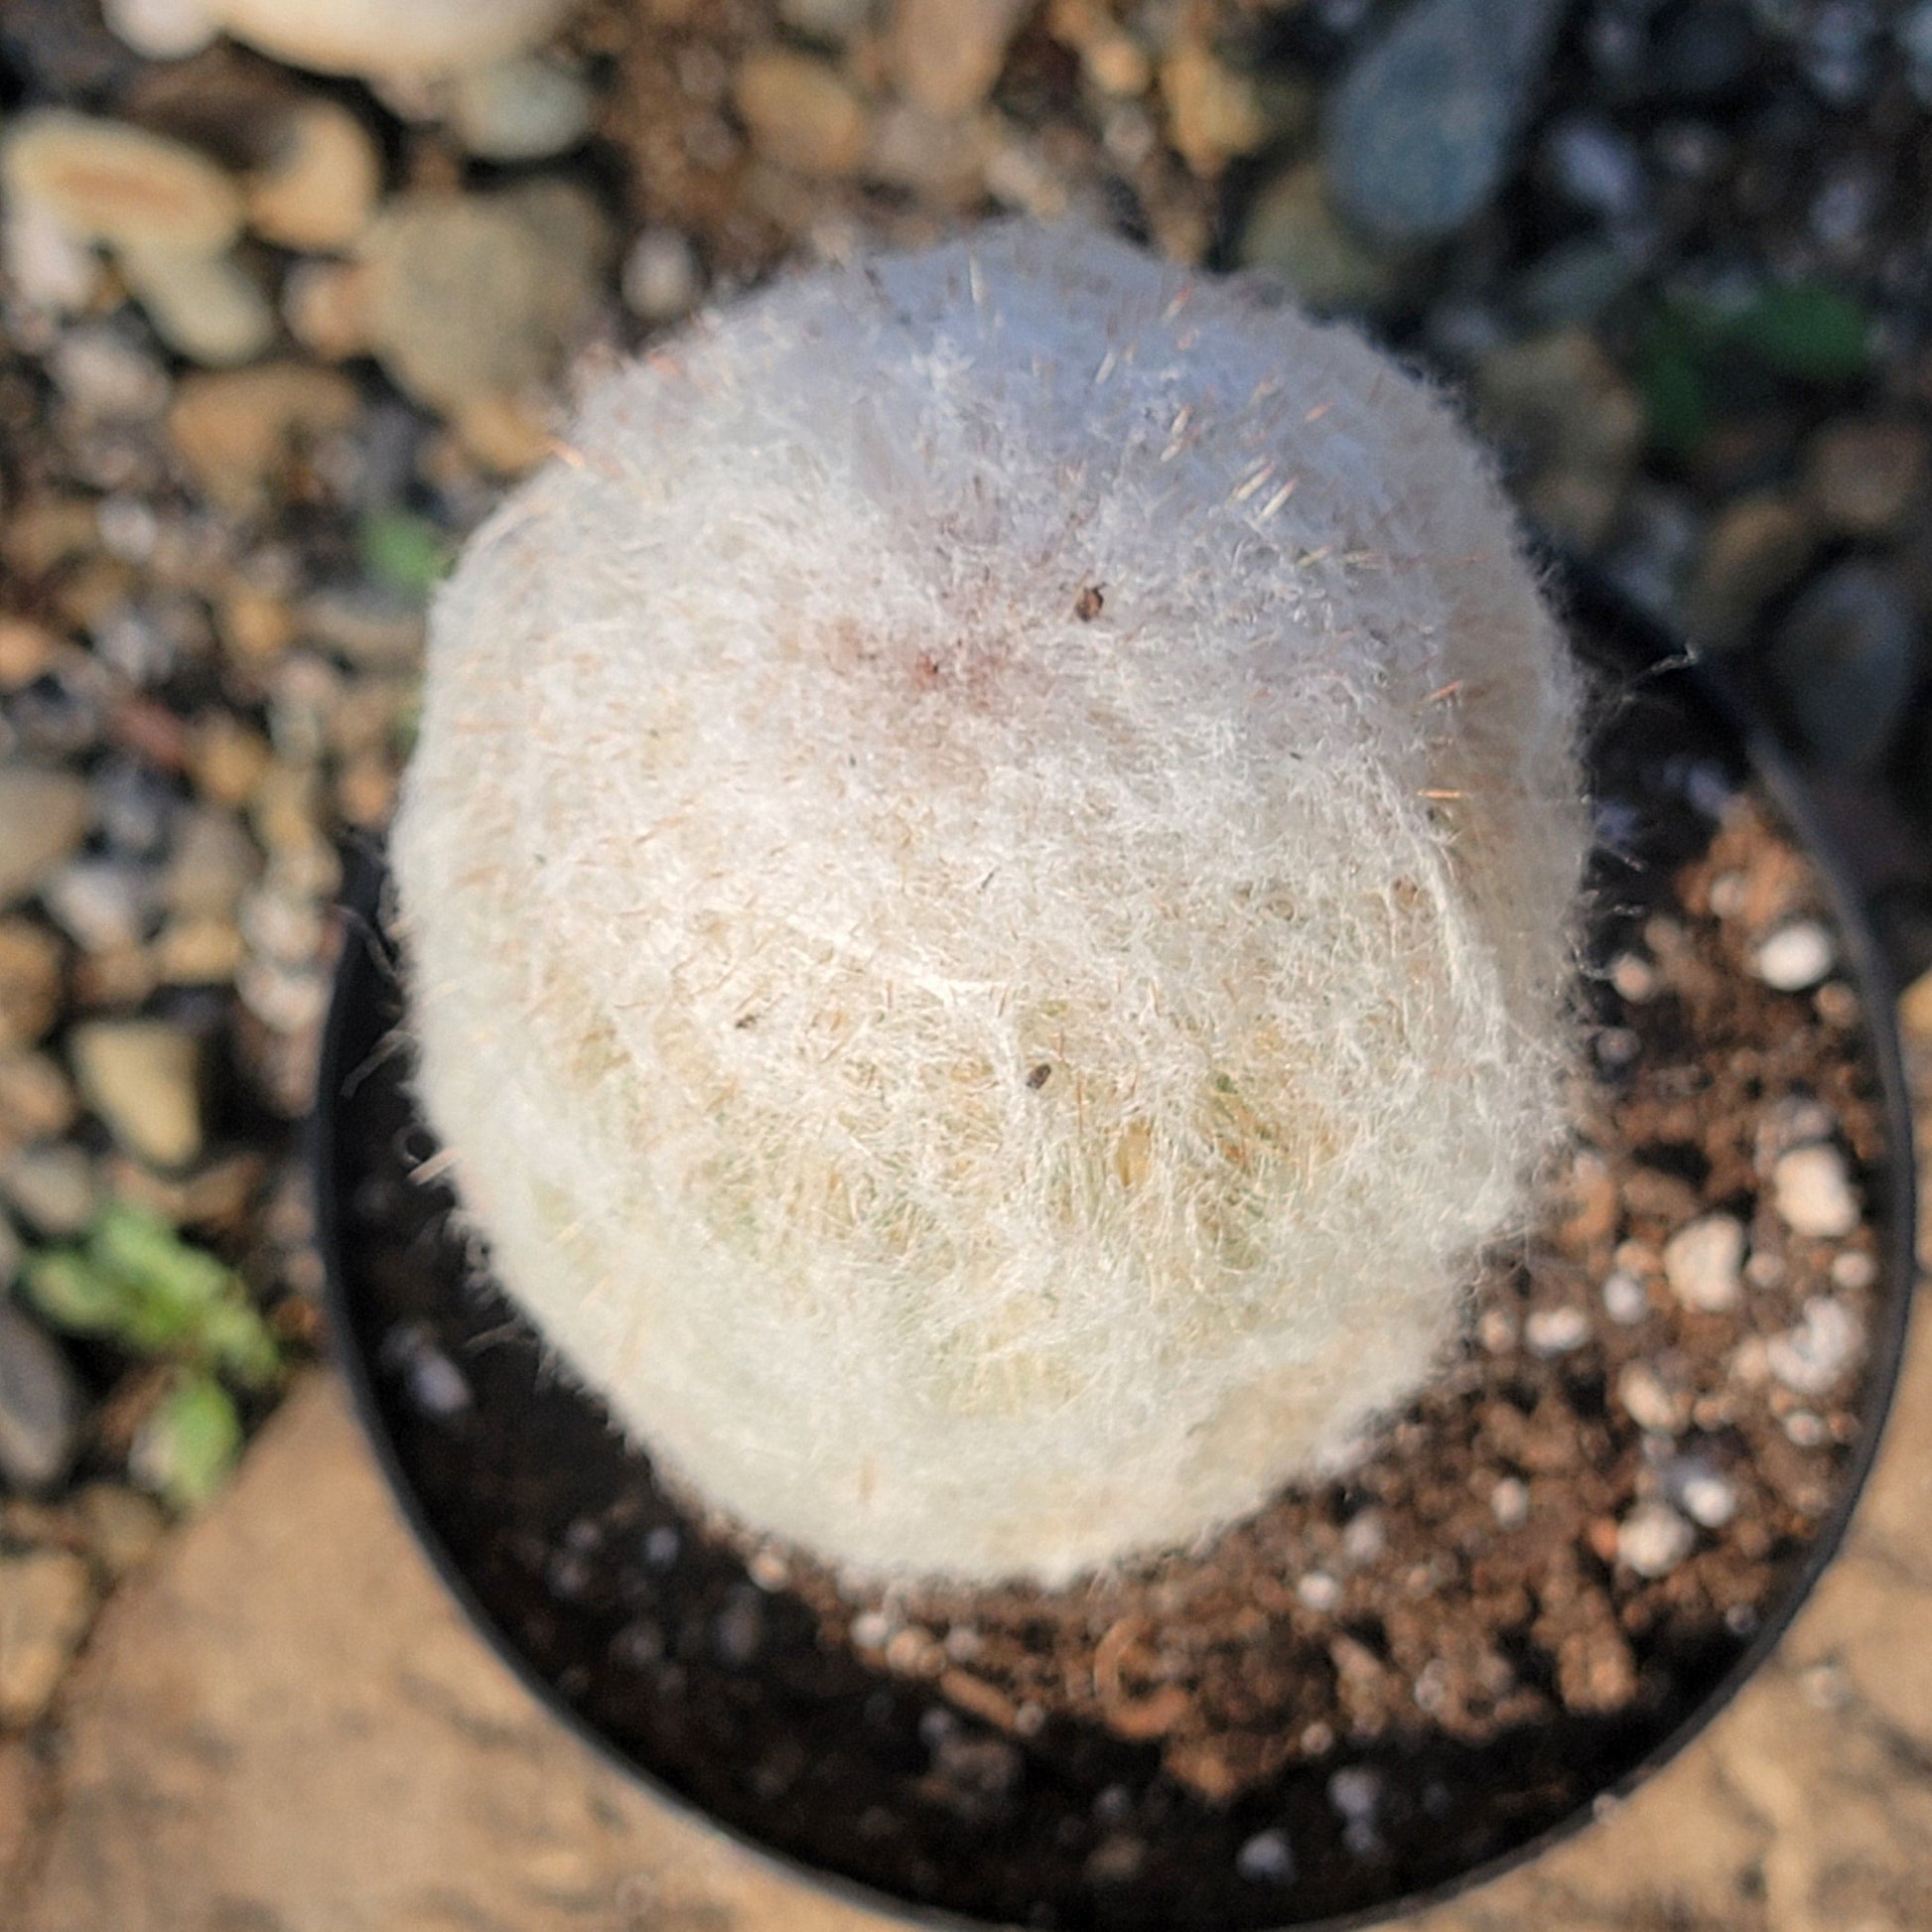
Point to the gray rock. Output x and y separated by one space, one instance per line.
1846 661
40 1405
1576 281
478 296
1705 53
1595 166
1267 1858
103 904
520 109
1420 133
1914 35
43 816
52 1187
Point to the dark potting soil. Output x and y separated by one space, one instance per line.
1529 1581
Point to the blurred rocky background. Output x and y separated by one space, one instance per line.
276 333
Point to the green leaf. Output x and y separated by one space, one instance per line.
140 1284
405 553
1677 402
238 1341
187 1447
72 1294
1806 330
181 1280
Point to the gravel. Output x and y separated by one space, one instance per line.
40 1405
1813 1193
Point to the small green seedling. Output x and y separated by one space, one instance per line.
134 1282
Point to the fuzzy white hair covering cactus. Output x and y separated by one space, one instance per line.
987 882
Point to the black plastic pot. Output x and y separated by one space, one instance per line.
490 1427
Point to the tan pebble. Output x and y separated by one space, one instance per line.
509 435
254 627
1862 473
197 952
320 182
143 1078
1213 115
327 307
123 1528
228 760
239 431
947 54
1915 1010
107 182
802 113
27 652
207 308
30 981
44 815
37 1100
1757 548
46 1604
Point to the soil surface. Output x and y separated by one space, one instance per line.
1526 1584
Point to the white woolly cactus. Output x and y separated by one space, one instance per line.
987 884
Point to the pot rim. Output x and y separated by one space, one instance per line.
1578 589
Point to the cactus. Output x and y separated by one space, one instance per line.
987 882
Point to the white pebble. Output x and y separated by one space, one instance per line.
1510 1502
1555 1331
1810 1358
1814 1193
1649 1401
1796 956
1624 1299
1706 1497
1806 1428
871 1630
1854 1270
1729 893
437 1386
160 29
1318 1591
1653 1540
661 279
1366 1536
1704 1262
1616 1046
1497 1331
1355 1792
1266 1859
1634 976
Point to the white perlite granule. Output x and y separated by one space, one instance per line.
988 880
